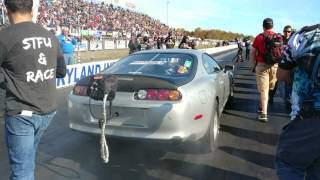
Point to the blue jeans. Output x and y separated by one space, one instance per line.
23 134
68 59
298 151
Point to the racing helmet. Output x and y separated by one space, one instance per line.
305 43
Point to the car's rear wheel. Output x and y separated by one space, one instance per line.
231 95
210 140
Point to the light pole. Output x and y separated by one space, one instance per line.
168 12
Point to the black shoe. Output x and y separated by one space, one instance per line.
262 118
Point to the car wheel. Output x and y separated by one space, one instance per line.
210 140
231 91
231 95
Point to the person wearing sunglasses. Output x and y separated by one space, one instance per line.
285 88
287 31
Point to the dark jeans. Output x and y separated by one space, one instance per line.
23 134
298 152
2 102
2 95
247 53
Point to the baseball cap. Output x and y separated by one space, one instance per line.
268 23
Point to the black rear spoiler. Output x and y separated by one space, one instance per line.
132 83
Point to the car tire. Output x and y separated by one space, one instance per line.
210 140
231 96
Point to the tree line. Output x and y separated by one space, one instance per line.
214 34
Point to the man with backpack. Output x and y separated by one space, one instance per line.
266 52
298 150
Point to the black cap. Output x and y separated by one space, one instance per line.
268 23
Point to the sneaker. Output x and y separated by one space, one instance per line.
262 117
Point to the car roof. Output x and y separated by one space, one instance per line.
186 51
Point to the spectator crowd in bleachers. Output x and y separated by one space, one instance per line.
80 14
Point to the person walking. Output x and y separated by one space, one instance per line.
67 44
284 87
193 44
287 87
170 41
248 46
298 150
184 44
145 44
240 50
31 60
133 44
265 72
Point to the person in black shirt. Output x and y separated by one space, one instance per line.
145 44
285 88
133 44
184 44
31 60
248 46
170 41
240 50
193 44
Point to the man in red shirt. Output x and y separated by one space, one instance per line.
265 73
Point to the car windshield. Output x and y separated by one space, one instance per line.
167 65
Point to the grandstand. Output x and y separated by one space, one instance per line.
101 24
82 16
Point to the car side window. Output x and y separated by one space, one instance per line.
210 64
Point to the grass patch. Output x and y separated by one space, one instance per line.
91 56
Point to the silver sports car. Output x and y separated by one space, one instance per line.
168 95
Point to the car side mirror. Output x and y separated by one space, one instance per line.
228 68
216 69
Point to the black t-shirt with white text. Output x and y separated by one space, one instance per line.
31 59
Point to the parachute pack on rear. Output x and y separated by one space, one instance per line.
274 46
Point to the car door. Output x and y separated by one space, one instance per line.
217 74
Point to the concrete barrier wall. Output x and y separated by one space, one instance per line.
219 49
78 71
